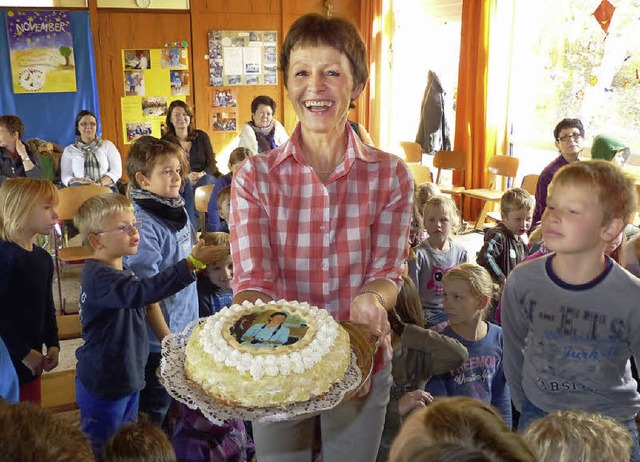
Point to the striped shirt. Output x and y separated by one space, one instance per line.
294 237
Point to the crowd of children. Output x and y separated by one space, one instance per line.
561 355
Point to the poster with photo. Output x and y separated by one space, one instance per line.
226 97
135 130
154 106
269 329
226 121
179 82
144 117
242 58
152 79
41 51
174 58
133 83
137 59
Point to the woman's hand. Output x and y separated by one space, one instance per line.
412 400
80 181
367 309
34 361
50 360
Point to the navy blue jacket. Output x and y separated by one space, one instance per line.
112 312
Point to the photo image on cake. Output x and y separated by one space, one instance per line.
269 329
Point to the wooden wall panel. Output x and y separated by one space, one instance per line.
118 30
276 15
115 30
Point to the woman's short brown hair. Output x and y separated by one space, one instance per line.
339 33
264 100
12 124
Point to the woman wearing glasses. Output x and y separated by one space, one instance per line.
569 136
90 160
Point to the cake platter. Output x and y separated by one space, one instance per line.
172 375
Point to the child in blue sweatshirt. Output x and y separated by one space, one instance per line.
111 363
468 288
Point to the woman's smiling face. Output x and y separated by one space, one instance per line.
320 87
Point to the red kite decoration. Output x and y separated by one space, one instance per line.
603 14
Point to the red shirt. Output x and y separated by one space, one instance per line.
296 238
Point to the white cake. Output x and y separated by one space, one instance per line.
258 355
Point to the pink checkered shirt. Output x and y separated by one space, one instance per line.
295 238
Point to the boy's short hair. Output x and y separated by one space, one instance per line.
567 436
463 421
12 124
447 204
145 153
216 238
614 190
424 192
567 123
29 433
238 155
139 441
223 195
91 215
516 199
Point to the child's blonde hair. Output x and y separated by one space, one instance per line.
516 199
614 190
448 206
477 278
223 195
535 237
216 238
459 421
238 155
424 192
567 436
145 153
93 212
18 198
139 441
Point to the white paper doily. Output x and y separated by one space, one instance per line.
174 379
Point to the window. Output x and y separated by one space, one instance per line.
564 65
426 37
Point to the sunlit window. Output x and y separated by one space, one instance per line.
565 65
426 37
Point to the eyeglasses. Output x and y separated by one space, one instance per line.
125 229
88 124
574 137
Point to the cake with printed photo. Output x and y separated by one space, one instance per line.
267 354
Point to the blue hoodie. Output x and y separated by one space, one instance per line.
159 248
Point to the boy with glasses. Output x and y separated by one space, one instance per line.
111 363
569 135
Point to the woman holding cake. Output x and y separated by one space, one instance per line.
324 219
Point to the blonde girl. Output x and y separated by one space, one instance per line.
27 313
418 354
457 429
435 256
468 288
